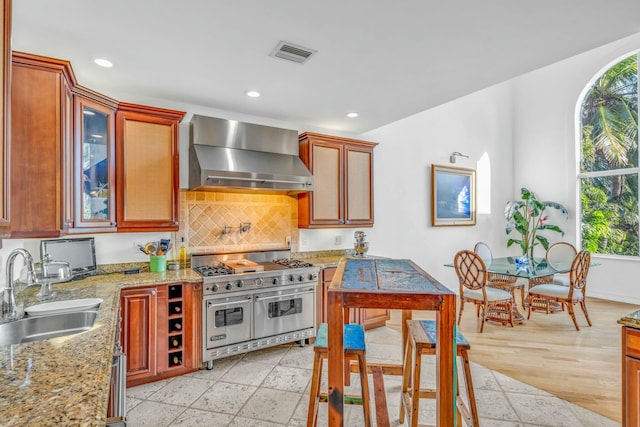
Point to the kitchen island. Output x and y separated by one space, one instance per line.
630 368
389 283
65 380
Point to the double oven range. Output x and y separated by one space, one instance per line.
253 300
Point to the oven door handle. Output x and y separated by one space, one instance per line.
309 291
211 304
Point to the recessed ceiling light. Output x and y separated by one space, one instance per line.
352 115
103 62
252 93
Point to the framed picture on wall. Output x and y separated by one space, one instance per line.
453 196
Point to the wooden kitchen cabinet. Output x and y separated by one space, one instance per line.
93 162
40 136
80 167
139 332
147 168
370 318
5 88
342 169
630 377
161 331
180 329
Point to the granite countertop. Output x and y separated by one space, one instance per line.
326 259
65 380
631 320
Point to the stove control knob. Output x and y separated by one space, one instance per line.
214 288
228 286
275 281
257 282
240 283
301 278
313 276
292 278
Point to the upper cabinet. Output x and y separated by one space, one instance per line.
94 163
342 170
5 81
69 148
147 168
40 120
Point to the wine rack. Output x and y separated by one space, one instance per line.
175 326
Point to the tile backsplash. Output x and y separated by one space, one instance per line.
204 215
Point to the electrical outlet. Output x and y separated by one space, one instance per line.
337 240
288 241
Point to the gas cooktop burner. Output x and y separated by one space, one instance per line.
213 270
292 263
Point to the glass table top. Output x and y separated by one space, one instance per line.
537 268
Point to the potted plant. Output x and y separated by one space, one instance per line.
527 217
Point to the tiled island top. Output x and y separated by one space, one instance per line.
65 380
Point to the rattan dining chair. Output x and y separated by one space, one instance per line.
558 254
500 281
568 295
472 275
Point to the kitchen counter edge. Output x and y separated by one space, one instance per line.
631 320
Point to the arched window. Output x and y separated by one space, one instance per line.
608 175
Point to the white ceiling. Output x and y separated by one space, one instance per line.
386 60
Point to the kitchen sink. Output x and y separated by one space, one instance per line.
65 306
40 328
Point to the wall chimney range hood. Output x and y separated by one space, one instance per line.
226 155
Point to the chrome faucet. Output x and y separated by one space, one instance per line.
10 310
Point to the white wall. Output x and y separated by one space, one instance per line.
476 124
545 158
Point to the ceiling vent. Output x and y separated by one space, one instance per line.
293 52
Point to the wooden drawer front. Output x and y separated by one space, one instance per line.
631 397
632 342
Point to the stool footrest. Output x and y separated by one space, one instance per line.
349 399
387 368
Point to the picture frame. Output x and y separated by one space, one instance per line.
453 196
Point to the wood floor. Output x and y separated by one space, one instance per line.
582 367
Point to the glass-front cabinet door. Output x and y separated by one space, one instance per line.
94 164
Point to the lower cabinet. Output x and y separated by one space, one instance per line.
368 317
139 314
630 377
161 331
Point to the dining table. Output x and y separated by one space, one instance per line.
535 271
362 282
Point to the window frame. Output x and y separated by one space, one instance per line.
609 172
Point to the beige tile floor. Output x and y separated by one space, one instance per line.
269 388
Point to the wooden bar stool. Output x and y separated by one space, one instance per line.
354 349
421 340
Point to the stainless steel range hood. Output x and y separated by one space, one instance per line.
229 155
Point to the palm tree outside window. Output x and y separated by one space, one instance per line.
608 176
